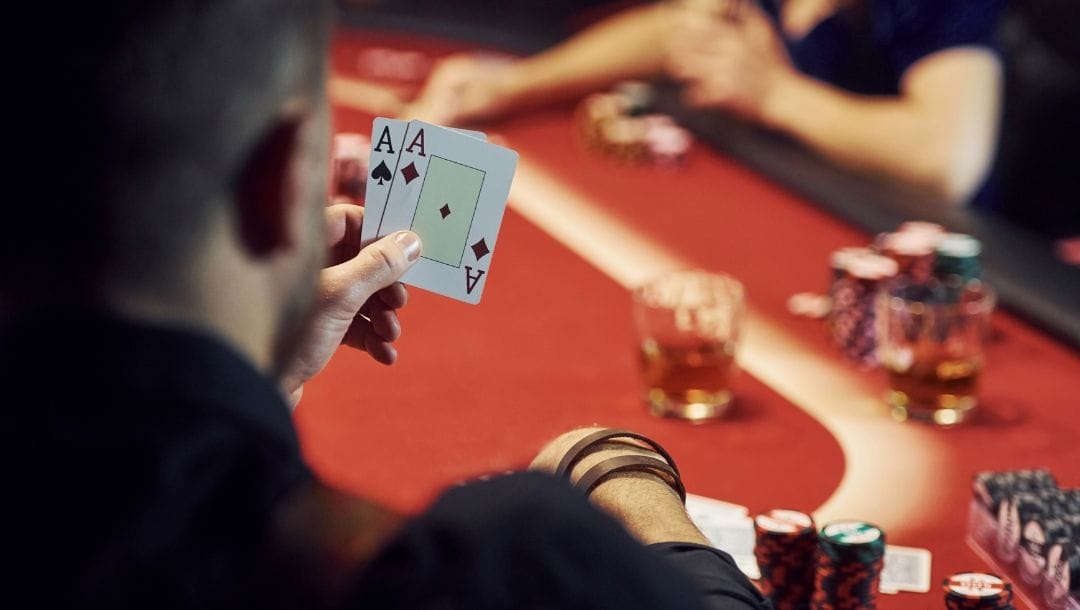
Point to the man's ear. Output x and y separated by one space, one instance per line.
268 188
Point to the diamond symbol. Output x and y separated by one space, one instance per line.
445 210
480 249
410 173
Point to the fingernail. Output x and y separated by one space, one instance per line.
410 244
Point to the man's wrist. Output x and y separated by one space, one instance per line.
783 99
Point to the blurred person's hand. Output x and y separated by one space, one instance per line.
737 63
358 298
462 88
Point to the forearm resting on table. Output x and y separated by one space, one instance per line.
940 133
648 508
627 45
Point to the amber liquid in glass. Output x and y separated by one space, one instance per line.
688 381
942 391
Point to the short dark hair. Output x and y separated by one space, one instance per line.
139 116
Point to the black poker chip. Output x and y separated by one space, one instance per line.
785 548
992 488
851 555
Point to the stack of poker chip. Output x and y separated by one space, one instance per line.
1062 577
858 275
934 266
351 153
850 558
1038 529
977 591
993 488
785 549
914 253
957 256
619 124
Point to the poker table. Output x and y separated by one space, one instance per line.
479 389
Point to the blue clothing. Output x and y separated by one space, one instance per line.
867 49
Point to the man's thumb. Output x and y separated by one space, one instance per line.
383 262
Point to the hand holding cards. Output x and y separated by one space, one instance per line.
450 187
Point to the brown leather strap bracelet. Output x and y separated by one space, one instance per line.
631 463
575 452
667 471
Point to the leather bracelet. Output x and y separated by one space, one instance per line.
631 463
666 470
575 452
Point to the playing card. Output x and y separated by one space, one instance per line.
728 527
905 569
386 140
451 189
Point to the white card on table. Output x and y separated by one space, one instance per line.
905 569
728 528
386 141
451 189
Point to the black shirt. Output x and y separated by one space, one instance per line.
148 464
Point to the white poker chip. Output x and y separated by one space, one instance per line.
810 305
911 243
784 521
873 267
921 226
976 585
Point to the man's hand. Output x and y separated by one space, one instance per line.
358 299
462 88
733 64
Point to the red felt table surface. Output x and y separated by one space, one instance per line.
479 389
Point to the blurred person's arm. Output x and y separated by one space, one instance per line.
464 88
938 133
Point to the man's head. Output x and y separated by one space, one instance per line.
167 126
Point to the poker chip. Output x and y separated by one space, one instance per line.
850 558
992 488
351 153
1036 536
919 226
1019 508
638 96
1062 576
785 549
858 276
624 138
810 305
668 145
914 253
957 258
977 591
618 126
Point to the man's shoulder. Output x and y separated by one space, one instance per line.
521 540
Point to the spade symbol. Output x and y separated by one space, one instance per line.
381 173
